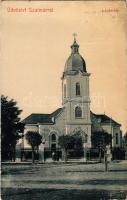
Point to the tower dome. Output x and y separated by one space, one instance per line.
75 62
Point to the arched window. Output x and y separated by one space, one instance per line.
53 137
64 90
86 138
78 112
77 89
117 139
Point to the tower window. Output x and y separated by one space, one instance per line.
77 89
64 90
117 140
78 112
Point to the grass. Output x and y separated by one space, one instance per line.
71 181
52 194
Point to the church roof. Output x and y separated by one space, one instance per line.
102 118
56 112
36 118
75 62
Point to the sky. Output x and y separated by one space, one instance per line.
36 45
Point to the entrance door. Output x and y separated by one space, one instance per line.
53 141
53 147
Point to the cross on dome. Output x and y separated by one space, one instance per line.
74 46
74 34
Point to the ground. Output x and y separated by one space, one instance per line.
58 181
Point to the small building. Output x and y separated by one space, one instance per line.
110 126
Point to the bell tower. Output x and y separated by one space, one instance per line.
75 94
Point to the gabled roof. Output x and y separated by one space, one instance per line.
56 112
102 118
36 118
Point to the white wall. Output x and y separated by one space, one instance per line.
46 130
113 130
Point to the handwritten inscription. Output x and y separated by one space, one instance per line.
44 10
30 9
109 10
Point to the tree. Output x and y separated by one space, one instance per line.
78 141
11 127
100 139
34 139
69 142
124 144
125 141
66 142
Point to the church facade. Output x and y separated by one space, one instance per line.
75 114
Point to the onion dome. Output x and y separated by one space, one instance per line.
75 62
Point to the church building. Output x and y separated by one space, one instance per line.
74 114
